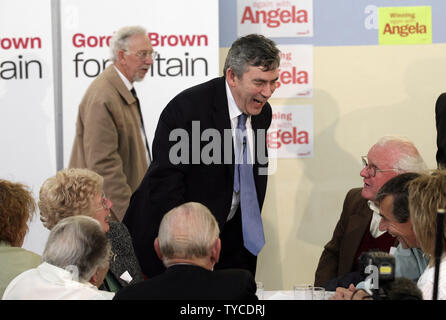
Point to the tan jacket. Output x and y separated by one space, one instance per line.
108 139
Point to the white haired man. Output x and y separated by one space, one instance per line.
188 243
110 135
358 230
75 262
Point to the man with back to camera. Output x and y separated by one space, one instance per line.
357 230
232 190
110 136
189 246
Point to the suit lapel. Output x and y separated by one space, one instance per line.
355 231
113 76
222 122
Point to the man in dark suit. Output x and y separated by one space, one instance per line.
194 151
357 230
189 246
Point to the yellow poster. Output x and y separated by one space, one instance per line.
405 25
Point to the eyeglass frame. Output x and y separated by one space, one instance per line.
143 54
106 204
372 169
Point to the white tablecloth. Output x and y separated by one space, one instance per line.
286 295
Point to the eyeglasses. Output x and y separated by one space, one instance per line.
144 54
372 169
106 204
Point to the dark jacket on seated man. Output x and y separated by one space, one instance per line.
338 262
191 282
188 243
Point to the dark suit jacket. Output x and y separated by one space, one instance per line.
440 120
338 256
189 282
168 185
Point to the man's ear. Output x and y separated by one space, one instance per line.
156 245
94 278
215 251
121 56
230 77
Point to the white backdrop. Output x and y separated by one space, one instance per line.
179 30
27 137
180 33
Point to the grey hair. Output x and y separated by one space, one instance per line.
120 39
409 159
78 242
252 50
187 231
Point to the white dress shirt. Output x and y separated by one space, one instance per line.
234 112
48 282
376 219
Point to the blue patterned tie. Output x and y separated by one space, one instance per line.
253 237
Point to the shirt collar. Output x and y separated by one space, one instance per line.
373 206
234 110
376 219
124 79
61 276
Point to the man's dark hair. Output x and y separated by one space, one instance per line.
252 50
398 188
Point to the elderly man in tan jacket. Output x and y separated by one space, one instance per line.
110 136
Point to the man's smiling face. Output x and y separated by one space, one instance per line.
253 89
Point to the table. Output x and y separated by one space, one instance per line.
287 294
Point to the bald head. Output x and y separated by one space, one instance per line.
187 232
390 156
401 154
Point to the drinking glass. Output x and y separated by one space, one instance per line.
303 292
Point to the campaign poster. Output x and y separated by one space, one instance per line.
27 125
405 25
275 18
295 72
185 39
291 132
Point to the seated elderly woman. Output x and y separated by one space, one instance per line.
80 192
75 261
427 194
17 206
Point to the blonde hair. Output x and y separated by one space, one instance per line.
427 194
69 193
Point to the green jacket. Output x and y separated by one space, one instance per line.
14 261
